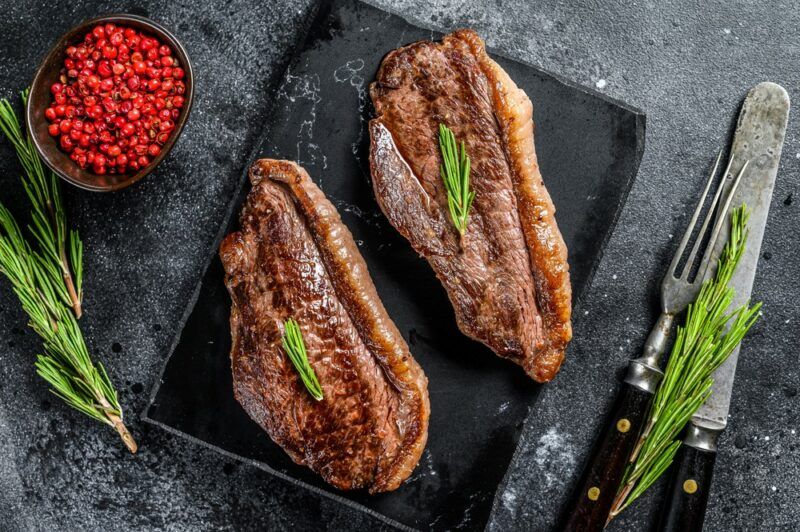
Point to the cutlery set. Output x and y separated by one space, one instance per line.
748 179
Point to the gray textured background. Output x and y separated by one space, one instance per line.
686 64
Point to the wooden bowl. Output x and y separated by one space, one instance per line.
40 98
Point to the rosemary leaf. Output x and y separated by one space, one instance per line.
455 171
295 349
703 343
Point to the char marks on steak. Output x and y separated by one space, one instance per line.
509 285
293 257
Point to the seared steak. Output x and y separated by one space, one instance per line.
509 283
293 257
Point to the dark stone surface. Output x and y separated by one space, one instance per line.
461 468
686 65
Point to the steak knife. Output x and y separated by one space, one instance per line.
759 138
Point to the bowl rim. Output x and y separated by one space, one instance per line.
57 49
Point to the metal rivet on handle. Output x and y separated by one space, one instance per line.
690 486
594 493
623 425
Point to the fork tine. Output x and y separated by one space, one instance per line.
688 234
687 268
722 219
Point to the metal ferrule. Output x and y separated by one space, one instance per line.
644 372
702 438
642 376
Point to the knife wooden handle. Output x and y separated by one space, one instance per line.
684 508
591 502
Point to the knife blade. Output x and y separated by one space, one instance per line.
759 136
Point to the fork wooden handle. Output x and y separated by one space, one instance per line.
592 500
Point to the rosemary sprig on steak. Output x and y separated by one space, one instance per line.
703 343
455 173
38 277
295 349
49 220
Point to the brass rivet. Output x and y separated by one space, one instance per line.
690 486
623 425
594 493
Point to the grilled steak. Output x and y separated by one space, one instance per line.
509 283
293 257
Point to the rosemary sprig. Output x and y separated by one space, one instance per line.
455 174
37 278
707 338
49 220
295 349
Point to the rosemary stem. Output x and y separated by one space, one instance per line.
47 277
616 508
709 334
67 275
640 442
119 426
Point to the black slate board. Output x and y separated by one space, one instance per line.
589 149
